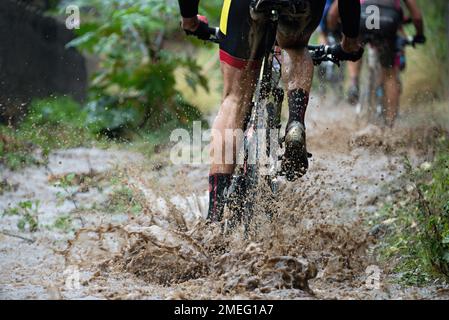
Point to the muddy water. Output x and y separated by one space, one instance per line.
317 246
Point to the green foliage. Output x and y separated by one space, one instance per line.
135 82
54 112
433 206
64 223
28 213
57 122
125 200
427 74
66 181
212 10
419 234
14 153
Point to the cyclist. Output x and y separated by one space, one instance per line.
385 41
241 56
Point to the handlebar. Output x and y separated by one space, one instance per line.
403 42
323 53
214 34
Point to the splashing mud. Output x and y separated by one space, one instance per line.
318 243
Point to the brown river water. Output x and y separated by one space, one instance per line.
319 245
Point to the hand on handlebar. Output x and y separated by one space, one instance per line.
197 26
338 52
419 39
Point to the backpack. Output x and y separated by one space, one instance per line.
390 21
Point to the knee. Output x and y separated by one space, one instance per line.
230 102
298 55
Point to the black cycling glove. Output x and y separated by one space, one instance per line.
338 52
203 31
419 39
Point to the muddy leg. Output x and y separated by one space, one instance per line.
238 89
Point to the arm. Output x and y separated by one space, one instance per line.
350 17
349 11
189 13
416 16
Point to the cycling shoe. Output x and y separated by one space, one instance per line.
295 162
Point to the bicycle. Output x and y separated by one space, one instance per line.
258 174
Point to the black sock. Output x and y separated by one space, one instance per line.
298 99
218 183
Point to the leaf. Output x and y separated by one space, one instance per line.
70 177
33 224
26 205
11 212
446 240
135 81
21 224
446 256
86 41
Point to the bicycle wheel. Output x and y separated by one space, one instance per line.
247 192
367 110
254 184
259 173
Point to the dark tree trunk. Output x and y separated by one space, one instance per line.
34 62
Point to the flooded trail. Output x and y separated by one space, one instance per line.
125 227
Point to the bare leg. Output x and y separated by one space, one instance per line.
297 63
354 71
392 90
298 75
354 76
237 94
297 69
